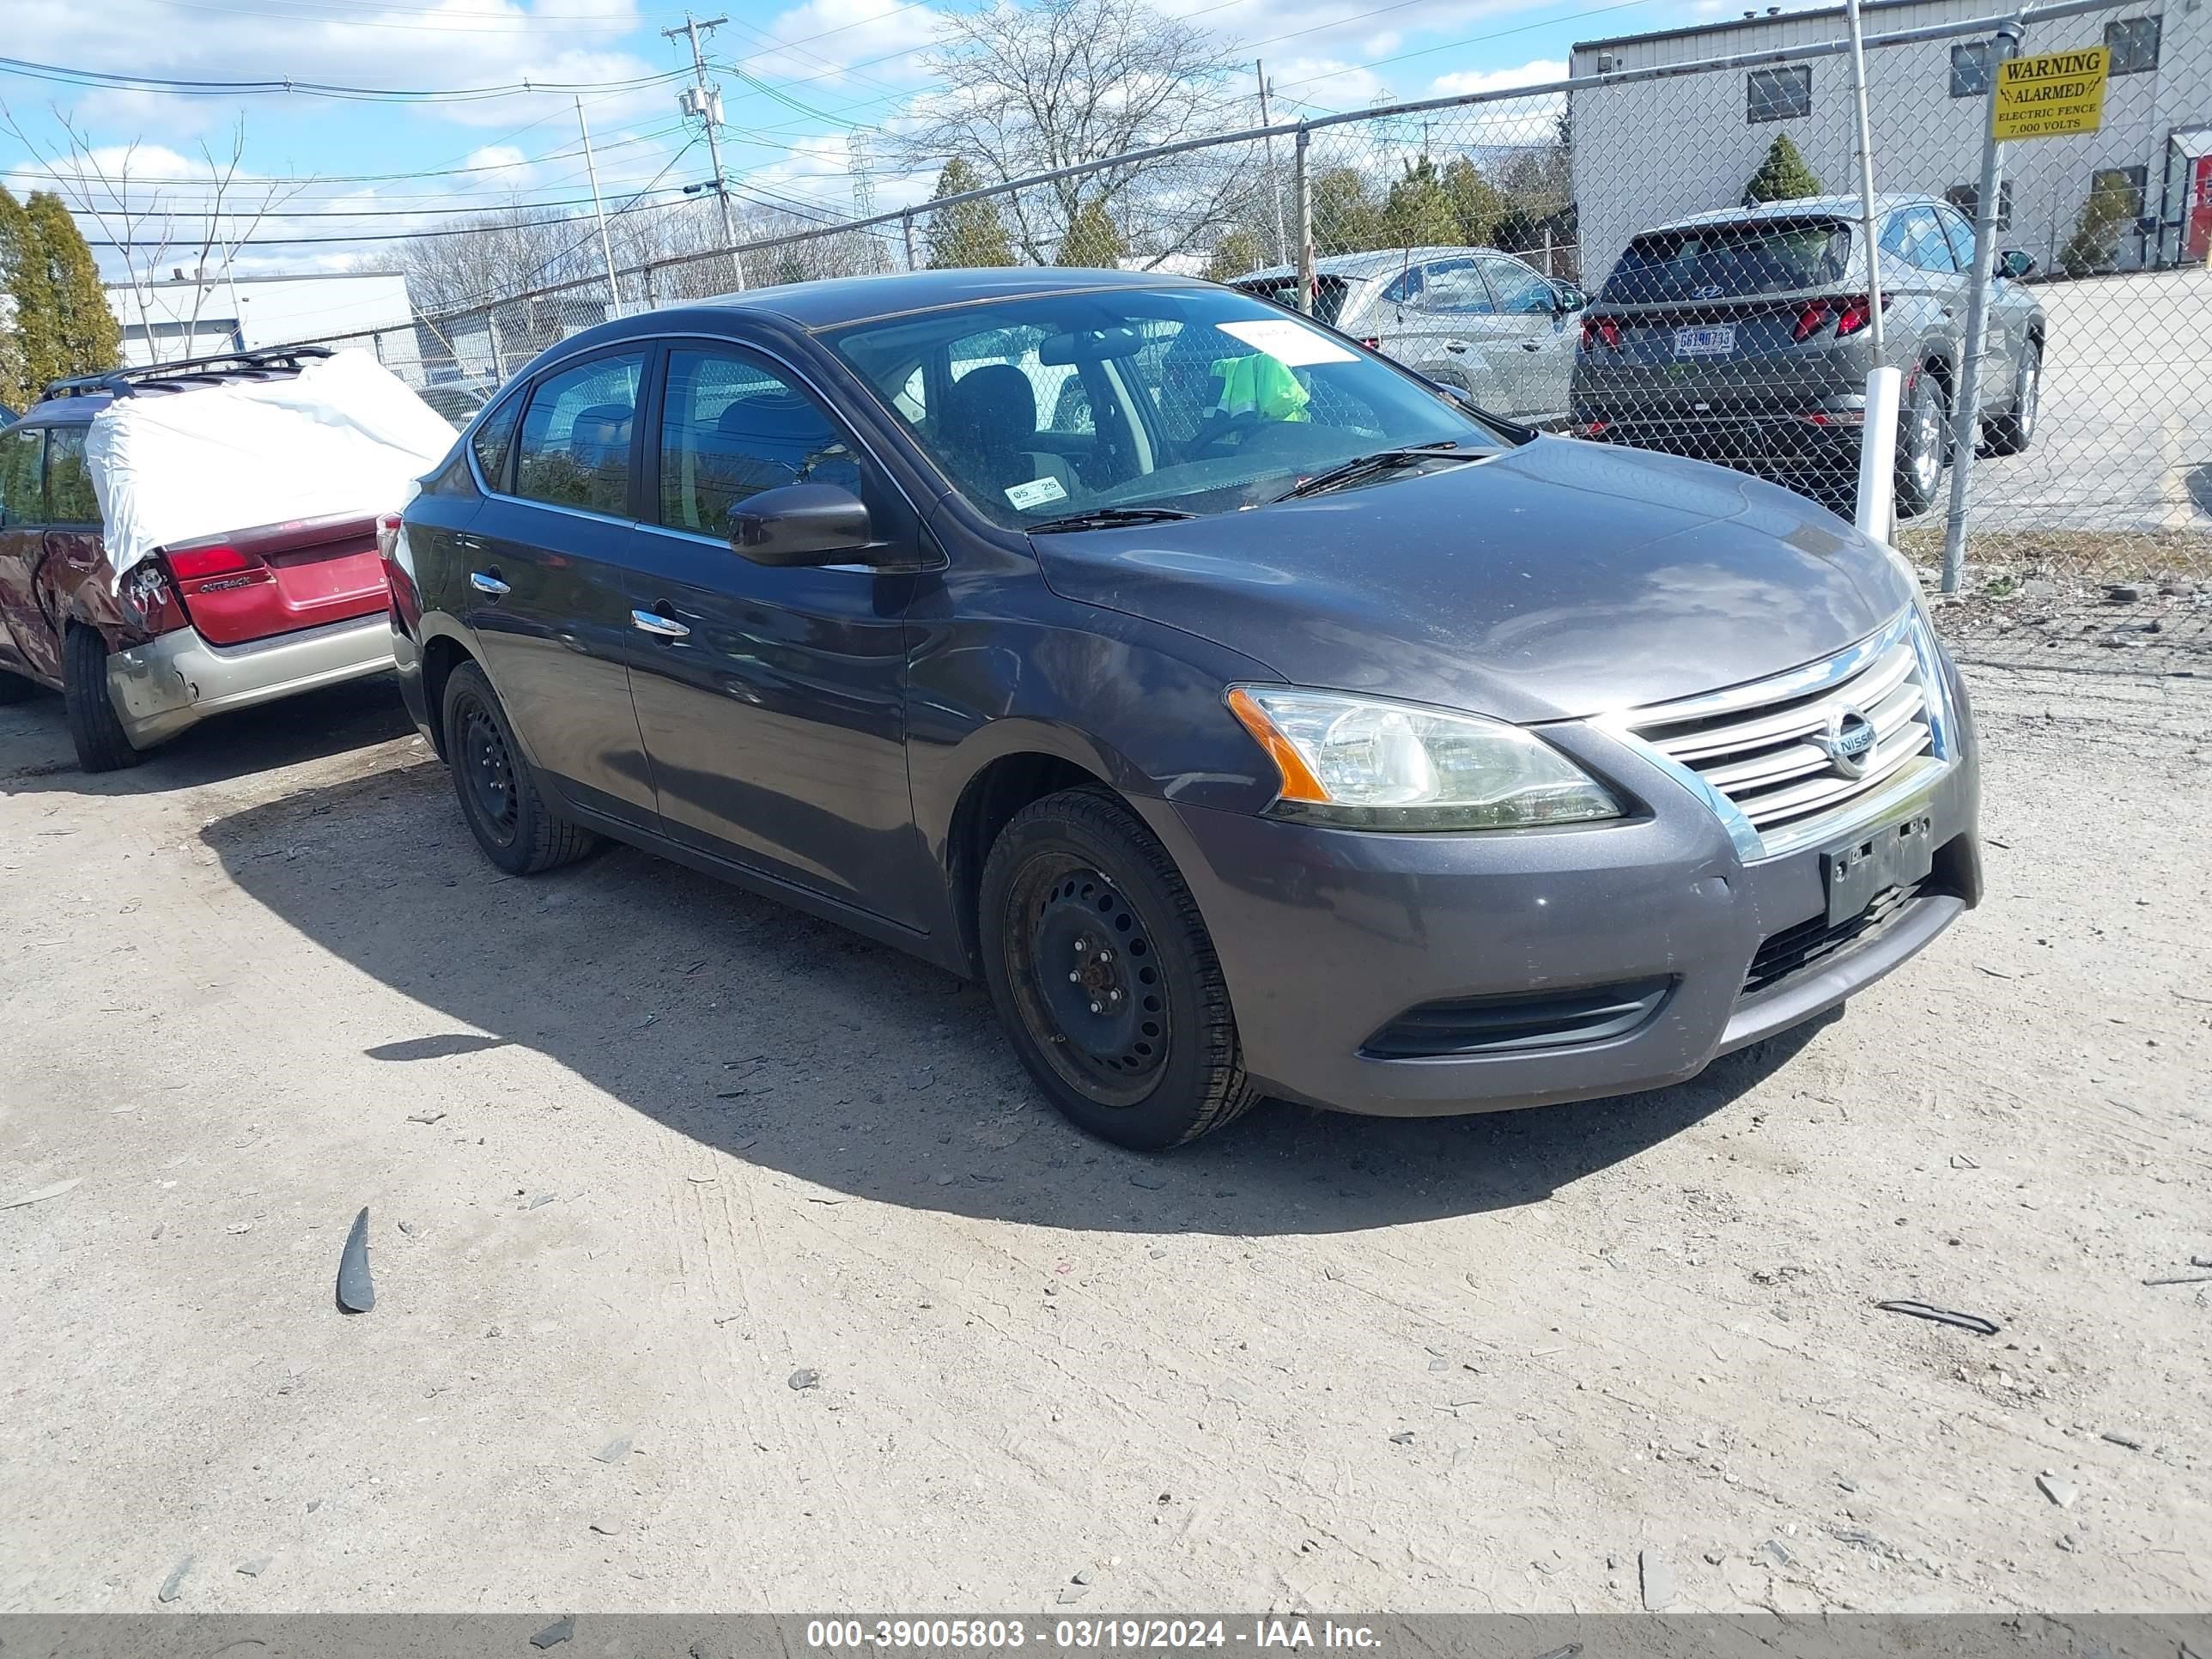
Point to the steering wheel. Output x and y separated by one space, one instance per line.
1218 429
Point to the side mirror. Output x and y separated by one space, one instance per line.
800 524
1570 298
2016 266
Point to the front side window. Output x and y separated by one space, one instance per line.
731 426
1197 400
1970 70
1520 290
22 458
1916 236
1779 94
573 450
69 498
1458 287
2133 42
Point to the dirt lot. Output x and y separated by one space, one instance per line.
641 1154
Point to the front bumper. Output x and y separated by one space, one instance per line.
177 679
1326 937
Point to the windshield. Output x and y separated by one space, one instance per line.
1729 261
1187 400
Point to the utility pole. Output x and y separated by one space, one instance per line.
1274 178
606 248
704 100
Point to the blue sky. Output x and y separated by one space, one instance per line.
828 68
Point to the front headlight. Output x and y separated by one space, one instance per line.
1367 764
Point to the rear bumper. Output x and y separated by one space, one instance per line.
1331 941
178 679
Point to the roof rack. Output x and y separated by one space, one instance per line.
192 370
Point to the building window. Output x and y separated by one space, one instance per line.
2133 42
1779 94
1970 70
1964 197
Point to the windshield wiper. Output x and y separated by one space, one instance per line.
1366 467
1105 517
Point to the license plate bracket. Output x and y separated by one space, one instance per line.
1869 865
1716 340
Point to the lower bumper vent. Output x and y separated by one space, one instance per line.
1503 1024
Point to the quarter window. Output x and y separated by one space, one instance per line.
70 497
2133 42
574 446
1970 70
1779 94
732 426
23 457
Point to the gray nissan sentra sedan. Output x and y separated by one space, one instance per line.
1254 718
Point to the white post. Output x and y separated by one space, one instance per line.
1878 454
606 248
1275 180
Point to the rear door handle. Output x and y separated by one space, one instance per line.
487 581
1454 345
1532 345
666 628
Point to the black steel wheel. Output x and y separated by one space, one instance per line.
1923 444
2012 432
1104 976
518 829
95 730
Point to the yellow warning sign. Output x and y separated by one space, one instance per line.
2051 96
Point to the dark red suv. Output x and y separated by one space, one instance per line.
200 627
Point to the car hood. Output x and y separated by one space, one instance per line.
1556 580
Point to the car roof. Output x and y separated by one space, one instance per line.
1378 263
836 301
1801 207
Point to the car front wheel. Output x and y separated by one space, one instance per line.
1104 976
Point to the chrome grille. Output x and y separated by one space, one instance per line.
1760 745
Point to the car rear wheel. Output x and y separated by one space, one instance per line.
101 744
2012 432
1922 445
1104 976
506 810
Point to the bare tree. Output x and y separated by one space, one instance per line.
150 225
1058 82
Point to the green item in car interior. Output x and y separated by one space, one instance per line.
1261 384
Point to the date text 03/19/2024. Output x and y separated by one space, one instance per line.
1085 1635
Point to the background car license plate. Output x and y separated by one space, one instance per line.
1896 856
1705 341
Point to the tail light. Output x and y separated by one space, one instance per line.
192 564
1600 332
1812 317
1593 429
1373 342
387 536
1856 315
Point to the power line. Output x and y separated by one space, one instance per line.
114 79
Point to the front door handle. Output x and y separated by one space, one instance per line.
1532 345
487 581
666 628
1454 345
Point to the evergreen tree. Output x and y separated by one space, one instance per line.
1092 240
1237 252
1782 176
36 350
86 335
1476 203
1417 213
1346 219
2095 244
968 233
15 388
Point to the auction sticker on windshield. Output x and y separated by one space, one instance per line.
1036 493
1705 341
1291 344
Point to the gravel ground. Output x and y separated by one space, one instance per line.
726 1261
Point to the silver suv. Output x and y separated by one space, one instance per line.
1741 336
1492 325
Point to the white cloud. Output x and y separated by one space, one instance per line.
1536 73
828 37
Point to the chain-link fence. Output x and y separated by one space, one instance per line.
1668 249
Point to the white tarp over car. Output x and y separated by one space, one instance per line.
342 435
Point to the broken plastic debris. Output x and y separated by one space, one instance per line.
356 1290
1965 1321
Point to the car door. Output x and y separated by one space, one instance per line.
547 593
773 699
26 641
2008 309
1450 333
1542 358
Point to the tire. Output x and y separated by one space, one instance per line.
1923 445
2012 432
1077 877
13 688
93 727
506 810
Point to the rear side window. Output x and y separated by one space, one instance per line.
70 499
573 450
1721 262
21 467
732 426
492 440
